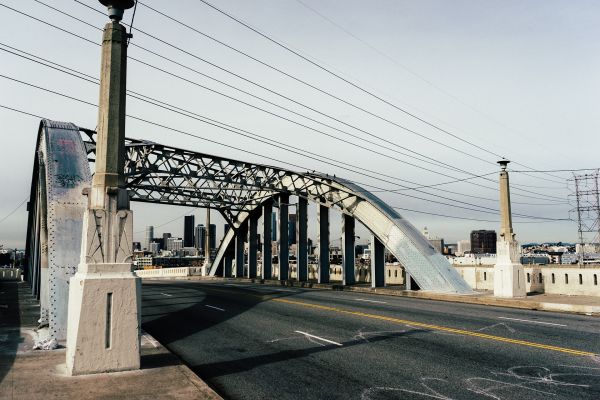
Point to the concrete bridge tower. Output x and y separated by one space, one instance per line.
103 330
509 278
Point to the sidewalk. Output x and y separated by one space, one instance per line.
35 374
589 305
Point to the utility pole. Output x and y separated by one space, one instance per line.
509 277
104 295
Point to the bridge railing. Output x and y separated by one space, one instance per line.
163 272
10 274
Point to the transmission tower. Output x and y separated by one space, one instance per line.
586 202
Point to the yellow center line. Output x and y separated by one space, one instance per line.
438 327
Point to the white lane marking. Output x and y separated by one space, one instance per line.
167 294
372 301
286 290
533 322
216 308
319 338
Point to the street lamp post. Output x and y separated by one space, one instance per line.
103 329
509 278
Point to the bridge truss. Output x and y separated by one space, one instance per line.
238 190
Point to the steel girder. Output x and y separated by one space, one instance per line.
163 174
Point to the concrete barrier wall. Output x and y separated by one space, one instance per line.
543 279
394 274
163 272
10 274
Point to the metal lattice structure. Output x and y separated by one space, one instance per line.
586 202
156 173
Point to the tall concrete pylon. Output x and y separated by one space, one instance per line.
509 278
103 330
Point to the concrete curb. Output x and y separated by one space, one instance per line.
467 299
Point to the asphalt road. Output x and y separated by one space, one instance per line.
251 341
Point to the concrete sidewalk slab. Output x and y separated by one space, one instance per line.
37 374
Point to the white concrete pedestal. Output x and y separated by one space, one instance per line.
509 277
104 319
509 280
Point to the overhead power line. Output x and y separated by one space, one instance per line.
262 139
254 153
7 216
287 119
332 73
94 80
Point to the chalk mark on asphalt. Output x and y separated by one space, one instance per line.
511 330
531 322
308 335
429 392
522 377
475 385
214 308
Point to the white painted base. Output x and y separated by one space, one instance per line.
509 280
99 340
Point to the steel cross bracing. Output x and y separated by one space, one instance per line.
157 173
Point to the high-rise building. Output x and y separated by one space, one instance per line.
213 236
462 246
199 237
292 220
274 227
188 231
149 236
177 245
483 241
165 239
174 244
154 248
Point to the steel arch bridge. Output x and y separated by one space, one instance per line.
239 190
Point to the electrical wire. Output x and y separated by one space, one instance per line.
319 66
492 211
560 199
279 146
14 211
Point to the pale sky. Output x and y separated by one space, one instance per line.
517 78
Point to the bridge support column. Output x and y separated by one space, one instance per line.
349 258
253 244
267 250
240 242
302 243
104 309
323 239
284 245
377 263
407 280
227 266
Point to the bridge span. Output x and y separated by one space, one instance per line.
239 190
